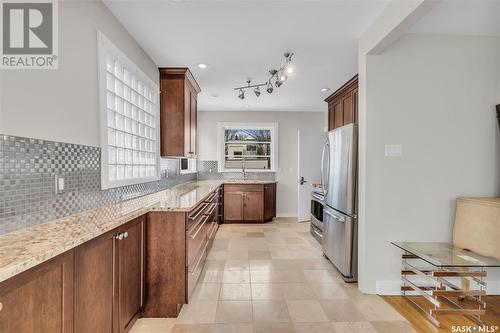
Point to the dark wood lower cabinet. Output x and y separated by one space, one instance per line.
249 202
40 299
94 264
109 280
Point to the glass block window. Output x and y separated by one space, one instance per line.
129 120
249 146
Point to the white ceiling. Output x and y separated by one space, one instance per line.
244 39
474 18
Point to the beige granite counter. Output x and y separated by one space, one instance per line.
26 248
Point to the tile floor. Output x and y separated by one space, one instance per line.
270 278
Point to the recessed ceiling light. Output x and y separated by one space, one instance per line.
325 89
247 106
203 66
215 95
289 69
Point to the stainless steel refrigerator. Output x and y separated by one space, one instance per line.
339 184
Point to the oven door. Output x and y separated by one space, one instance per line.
317 213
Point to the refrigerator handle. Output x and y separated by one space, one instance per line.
323 187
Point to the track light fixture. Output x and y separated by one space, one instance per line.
278 75
257 91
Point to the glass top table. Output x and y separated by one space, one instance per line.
446 255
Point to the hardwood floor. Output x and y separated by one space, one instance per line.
419 321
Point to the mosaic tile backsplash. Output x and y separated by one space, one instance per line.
27 181
207 170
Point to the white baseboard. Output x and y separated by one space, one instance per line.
393 287
286 215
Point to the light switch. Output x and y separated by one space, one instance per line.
393 150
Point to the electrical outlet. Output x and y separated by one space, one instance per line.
59 184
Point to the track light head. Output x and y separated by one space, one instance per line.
241 95
278 82
257 91
270 87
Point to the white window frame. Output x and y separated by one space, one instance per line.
222 126
105 47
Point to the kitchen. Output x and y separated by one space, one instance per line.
186 168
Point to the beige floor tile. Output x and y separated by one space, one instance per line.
220 244
153 325
294 240
202 312
267 291
354 327
234 312
216 255
374 308
211 276
273 328
270 311
393 327
236 265
215 264
242 276
297 291
277 276
238 255
255 234
259 255
341 310
322 276
261 265
206 292
313 328
329 290
321 263
302 311
190 328
230 328
235 292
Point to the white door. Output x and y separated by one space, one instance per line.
310 144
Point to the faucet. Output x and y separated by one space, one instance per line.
243 171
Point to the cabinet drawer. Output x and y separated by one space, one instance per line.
193 271
244 188
197 214
196 237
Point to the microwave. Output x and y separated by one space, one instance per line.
184 164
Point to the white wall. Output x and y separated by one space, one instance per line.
61 104
310 124
435 95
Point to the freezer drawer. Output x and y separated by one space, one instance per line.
338 240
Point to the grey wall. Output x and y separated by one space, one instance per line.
61 105
435 95
289 123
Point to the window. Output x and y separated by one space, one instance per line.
128 102
249 145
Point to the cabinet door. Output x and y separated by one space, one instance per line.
94 263
348 106
269 201
233 206
338 114
130 272
253 209
39 300
355 102
194 125
331 117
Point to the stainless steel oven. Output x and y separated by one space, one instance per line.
317 204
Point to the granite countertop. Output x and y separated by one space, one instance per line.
22 249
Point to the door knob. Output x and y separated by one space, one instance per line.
302 181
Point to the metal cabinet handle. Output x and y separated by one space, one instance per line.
199 212
201 227
125 235
1 306
199 259
119 236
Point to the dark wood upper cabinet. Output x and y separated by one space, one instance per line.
343 105
40 299
178 112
